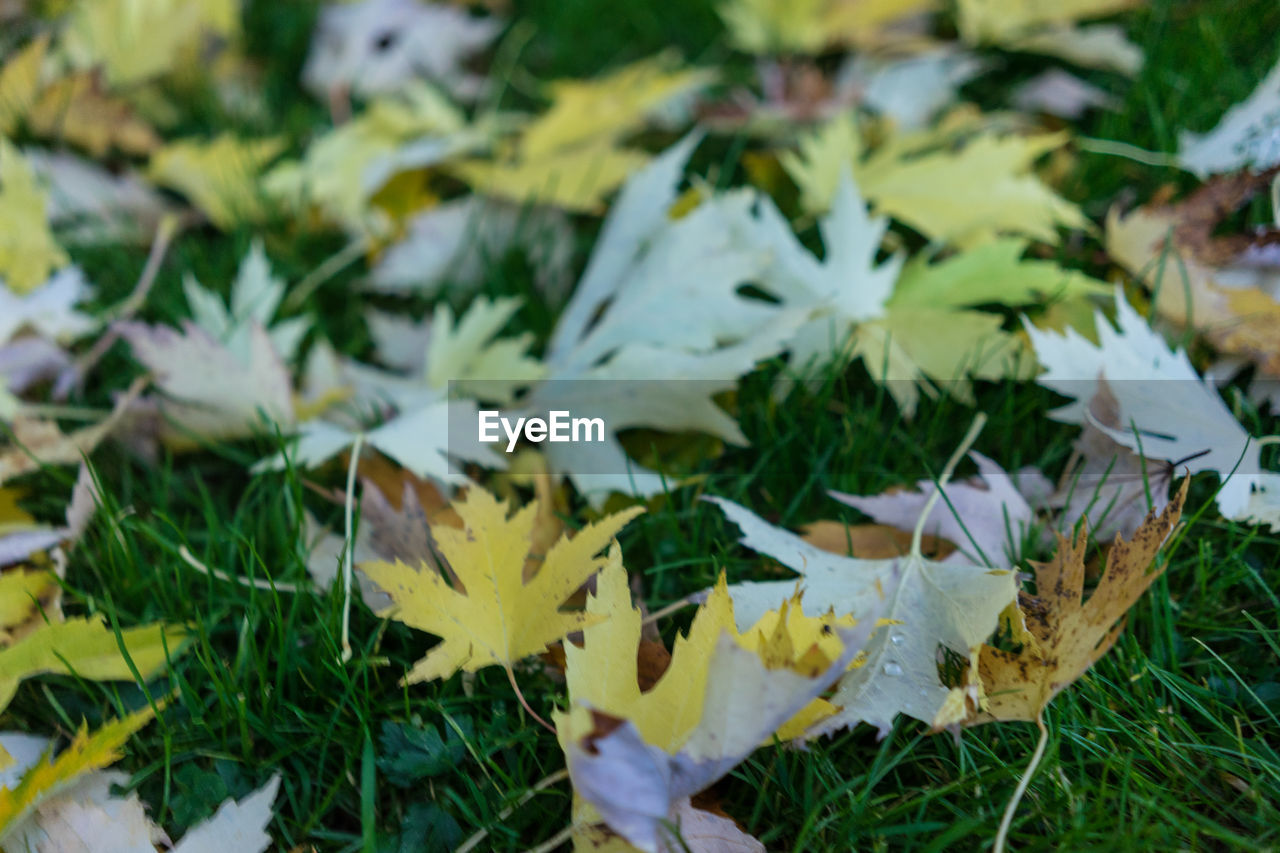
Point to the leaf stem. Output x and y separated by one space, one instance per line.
1007 820
511 676
349 553
970 437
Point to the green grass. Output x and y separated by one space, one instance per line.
1171 741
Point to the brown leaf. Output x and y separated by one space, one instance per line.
1072 633
871 541
1224 286
77 109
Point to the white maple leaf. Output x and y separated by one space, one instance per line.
1165 410
49 310
1248 136
930 603
255 296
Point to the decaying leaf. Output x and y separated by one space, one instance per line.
1225 286
493 616
928 604
39 441
1070 633
76 109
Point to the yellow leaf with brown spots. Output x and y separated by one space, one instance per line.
1072 633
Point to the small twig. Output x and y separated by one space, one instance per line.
481 834
1007 820
349 552
1127 151
194 563
673 607
75 375
555 841
328 268
511 676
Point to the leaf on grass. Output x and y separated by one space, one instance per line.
46 779
569 156
49 310
77 110
90 205
986 517
39 442
379 46
1244 138
28 250
928 604
961 187
810 26
20 83
493 615
1225 286
255 295
212 393
1070 633
219 176
635 758
137 40
1164 410
1051 27
89 649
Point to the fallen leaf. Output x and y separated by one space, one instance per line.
1164 408
1059 93
28 250
138 40
963 188
1043 26
379 46
778 26
986 517
1244 138
89 205
219 176
723 695
76 109
49 309
871 541
210 392
494 617
20 83
928 604
1071 634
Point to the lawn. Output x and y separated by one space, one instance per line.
1171 741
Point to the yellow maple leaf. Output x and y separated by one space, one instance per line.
1004 21
577 179
958 185
569 157
25 599
493 615
20 83
87 752
603 672
28 250
219 176
136 40
809 26
88 649
77 110
609 107
1070 633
